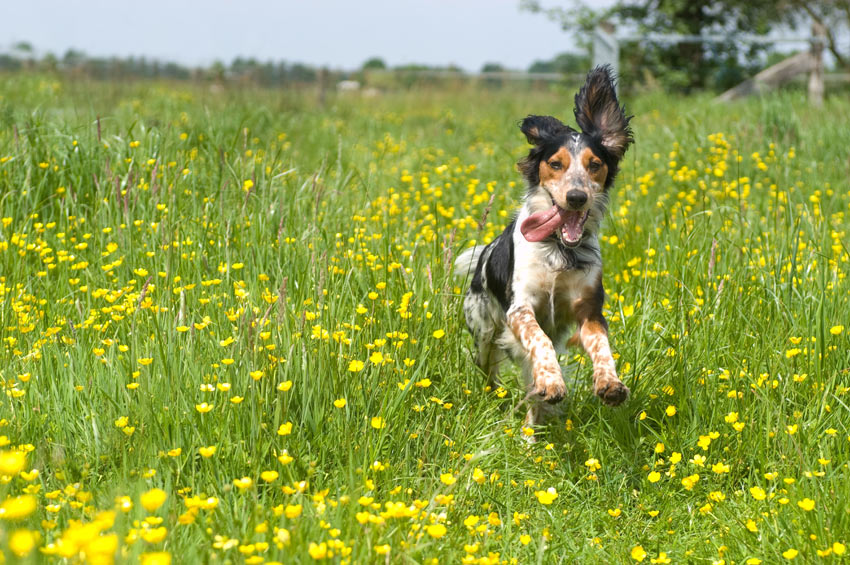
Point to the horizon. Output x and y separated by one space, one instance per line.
198 34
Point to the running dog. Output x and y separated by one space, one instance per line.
542 276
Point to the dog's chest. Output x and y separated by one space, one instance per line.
552 293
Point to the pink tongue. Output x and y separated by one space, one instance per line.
540 225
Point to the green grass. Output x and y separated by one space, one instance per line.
160 243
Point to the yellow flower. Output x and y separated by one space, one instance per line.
203 407
790 553
285 429
243 483
806 504
654 477
145 361
153 499
638 553
22 542
292 511
838 548
14 508
284 386
256 375
318 551
836 330
448 479
355 365
269 476
208 451
382 549
155 558
758 493
546 497
154 535
378 423
670 411
339 403
376 358
438 334
436 530
12 462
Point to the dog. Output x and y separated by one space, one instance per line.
542 275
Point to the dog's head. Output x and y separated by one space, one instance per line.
573 170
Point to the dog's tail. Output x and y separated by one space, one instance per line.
467 261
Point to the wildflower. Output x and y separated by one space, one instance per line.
670 411
154 535
654 477
284 386
593 464
758 493
839 548
153 499
547 496
751 526
790 553
806 504
208 451
14 508
12 462
448 479
203 407
243 483
438 334
340 403
836 330
436 530
155 558
638 553
377 422
318 551
285 429
269 476
382 549
22 542
292 511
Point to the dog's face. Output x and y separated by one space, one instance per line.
573 169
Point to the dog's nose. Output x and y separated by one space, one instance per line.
576 198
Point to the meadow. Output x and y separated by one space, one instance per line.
231 334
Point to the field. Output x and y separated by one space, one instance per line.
230 333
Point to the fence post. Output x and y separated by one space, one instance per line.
816 87
606 49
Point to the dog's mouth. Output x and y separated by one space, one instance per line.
567 224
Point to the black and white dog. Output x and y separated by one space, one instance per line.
543 275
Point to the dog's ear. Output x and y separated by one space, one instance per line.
540 129
599 114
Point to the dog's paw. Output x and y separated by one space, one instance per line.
549 385
610 390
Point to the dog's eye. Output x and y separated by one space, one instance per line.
594 166
555 165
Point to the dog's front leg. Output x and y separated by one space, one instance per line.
593 334
547 383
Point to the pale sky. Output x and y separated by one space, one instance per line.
340 34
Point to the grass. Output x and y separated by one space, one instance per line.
184 268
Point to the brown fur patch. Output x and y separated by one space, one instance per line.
548 383
547 173
595 167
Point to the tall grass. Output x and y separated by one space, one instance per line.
183 268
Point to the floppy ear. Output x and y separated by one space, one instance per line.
539 129
599 114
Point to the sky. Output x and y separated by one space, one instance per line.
339 34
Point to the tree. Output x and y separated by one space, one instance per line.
698 64
374 64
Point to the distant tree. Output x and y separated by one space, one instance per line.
374 64
686 65
566 63
492 68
